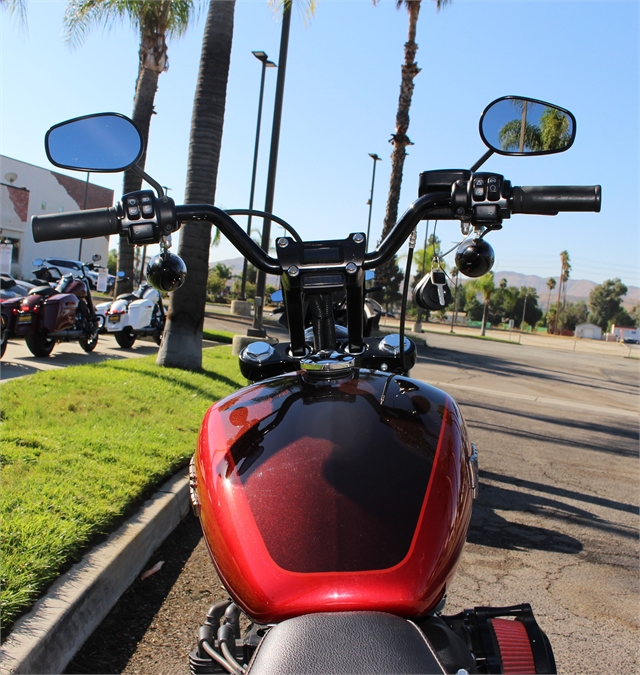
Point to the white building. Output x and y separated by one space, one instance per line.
624 333
589 331
27 190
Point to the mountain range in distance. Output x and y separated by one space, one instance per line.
577 289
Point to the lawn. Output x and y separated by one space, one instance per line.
82 447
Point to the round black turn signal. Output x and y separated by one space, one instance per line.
474 257
166 272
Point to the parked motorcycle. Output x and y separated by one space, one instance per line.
132 315
335 492
63 312
9 309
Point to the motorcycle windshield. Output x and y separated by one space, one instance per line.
334 474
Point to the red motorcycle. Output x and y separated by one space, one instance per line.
335 492
60 313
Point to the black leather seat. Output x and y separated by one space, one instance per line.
45 291
345 642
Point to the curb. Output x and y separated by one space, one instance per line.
46 639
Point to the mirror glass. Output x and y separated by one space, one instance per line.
103 143
277 296
524 126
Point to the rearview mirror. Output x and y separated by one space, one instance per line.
525 126
103 143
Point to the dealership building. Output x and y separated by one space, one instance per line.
27 190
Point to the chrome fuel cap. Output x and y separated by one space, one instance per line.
328 364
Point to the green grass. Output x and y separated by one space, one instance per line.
82 447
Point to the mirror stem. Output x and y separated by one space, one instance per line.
145 176
482 160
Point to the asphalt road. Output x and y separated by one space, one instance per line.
556 523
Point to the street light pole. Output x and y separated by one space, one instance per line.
257 330
375 159
261 56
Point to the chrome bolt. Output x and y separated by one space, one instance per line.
293 271
282 242
358 238
351 268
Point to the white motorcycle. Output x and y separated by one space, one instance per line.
134 315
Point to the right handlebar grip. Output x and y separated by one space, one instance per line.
550 200
75 225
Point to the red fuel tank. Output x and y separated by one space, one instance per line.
334 495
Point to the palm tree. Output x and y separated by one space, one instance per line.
512 139
486 285
555 129
551 284
182 343
565 269
155 21
400 140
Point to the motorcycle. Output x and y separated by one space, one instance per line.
132 315
62 312
8 312
335 492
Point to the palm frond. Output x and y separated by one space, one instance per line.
306 8
170 17
16 8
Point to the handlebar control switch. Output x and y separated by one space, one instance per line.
145 218
488 200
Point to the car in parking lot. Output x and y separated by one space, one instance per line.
65 265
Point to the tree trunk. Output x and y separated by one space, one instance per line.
182 343
400 139
484 318
146 87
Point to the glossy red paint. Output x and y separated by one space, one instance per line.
338 496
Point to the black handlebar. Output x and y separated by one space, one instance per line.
551 200
548 200
75 225
232 231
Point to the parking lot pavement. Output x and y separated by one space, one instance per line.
19 361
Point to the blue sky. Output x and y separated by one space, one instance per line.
341 93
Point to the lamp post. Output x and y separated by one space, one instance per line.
375 159
257 330
264 59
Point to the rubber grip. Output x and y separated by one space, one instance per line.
552 199
75 225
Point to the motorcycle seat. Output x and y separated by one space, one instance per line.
127 296
345 642
45 291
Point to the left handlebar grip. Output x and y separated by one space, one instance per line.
75 225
